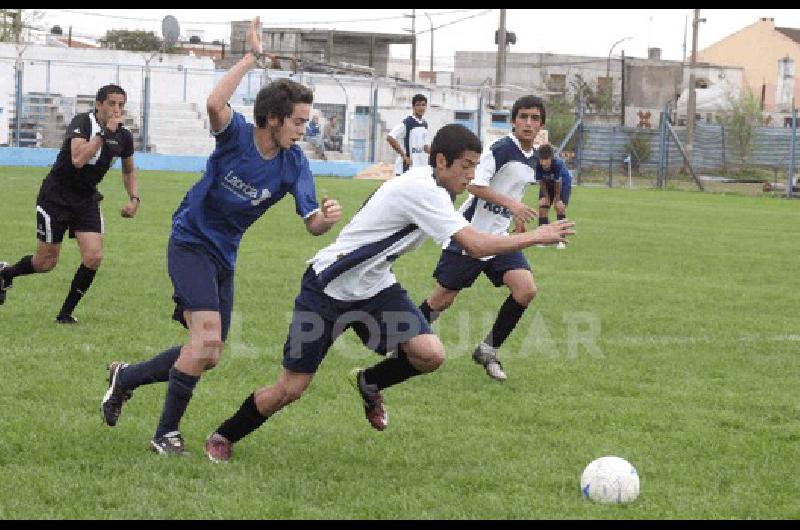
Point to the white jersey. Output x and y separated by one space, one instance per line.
508 170
397 219
413 136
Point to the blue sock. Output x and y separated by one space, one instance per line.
179 392
155 370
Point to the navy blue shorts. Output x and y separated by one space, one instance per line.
382 323
456 271
200 283
550 186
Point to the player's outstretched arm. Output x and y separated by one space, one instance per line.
479 244
219 113
518 209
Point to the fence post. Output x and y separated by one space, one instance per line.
185 76
722 136
47 79
18 100
146 110
790 174
579 143
611 156
373 136
662 134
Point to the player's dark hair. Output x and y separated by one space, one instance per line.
418 97
545 152
529 102
452 141
107 90
277 100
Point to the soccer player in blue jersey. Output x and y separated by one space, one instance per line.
414 134
251 168
555 185
350 283
504 173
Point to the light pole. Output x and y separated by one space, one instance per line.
431 23
608 63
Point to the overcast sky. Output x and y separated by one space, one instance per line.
563 31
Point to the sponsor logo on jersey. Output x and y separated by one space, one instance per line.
244 190
497 209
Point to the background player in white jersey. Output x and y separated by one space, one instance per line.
413 134
350 284
504 173
251 168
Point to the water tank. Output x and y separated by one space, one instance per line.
654 54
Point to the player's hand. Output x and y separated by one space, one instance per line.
519 226
523 212
331 211
553 233
560 206
254 35
130 209
113 124
407 160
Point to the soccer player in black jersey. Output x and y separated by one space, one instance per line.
68 198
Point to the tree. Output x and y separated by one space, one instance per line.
744 115
14 21
132 40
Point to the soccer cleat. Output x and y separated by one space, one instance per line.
217 448
66 319
486 356
373 400
561 245
169 444
116 396
541 245
3 285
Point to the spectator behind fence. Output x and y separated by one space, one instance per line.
333 137
314 135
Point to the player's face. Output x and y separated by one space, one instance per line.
419 108
112 107
294 126
527 124
546 163
457 177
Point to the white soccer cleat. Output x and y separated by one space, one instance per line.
561 245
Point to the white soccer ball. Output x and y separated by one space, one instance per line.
610 479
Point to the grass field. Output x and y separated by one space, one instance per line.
667 334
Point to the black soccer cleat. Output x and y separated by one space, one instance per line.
372 398
66 319
115 396
3 284
169 444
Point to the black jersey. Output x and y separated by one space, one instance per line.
83 181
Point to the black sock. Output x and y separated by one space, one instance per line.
561 216
22 268
507 318
543 220
179 392
246 420
80 284
390 372
155 370
429 314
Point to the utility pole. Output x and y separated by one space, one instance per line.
691 104
501 61
414 46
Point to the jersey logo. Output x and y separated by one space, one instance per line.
244 190
77 130
497 209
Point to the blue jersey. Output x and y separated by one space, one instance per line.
238 186
557 173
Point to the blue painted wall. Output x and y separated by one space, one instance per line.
42 157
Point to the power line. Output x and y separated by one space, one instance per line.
484 12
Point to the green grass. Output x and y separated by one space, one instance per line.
691 373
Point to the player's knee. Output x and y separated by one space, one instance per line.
525 296
428 360
93 260
291 393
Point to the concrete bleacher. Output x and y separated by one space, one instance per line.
179 129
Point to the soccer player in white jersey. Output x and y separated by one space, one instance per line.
501 178
350 284
413 133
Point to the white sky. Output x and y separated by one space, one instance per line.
564 31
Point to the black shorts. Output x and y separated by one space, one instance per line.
58 210
456 271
